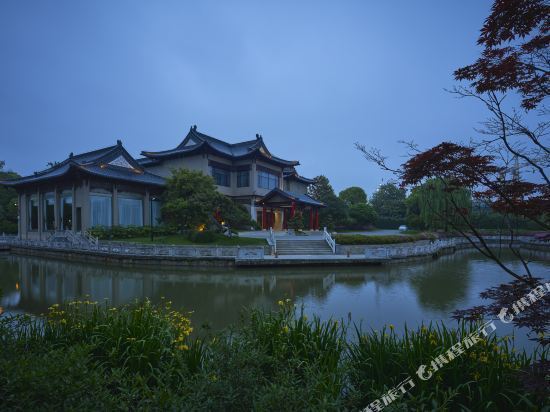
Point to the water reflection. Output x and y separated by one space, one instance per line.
407 292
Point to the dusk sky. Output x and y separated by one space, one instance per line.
311 77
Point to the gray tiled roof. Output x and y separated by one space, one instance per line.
234 150
292 173
293 196
95 163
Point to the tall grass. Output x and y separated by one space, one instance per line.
86 355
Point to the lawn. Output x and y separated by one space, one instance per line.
219 240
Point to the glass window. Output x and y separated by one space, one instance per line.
101 210
222 177
243 178
156 212
33 213
49 211
267 180
130 211
66 212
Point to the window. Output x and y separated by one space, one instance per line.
130 211
221 176
243 178
267 180
49 211
101 210
33 213
66 212
155 212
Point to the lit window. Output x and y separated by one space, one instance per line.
101 210
33 213
130 212
49 211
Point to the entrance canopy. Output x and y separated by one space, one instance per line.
279 206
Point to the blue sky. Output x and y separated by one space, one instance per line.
311 77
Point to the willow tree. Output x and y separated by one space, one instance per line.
438 202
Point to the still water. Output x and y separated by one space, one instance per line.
406 293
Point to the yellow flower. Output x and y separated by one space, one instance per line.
64 321
285 329
392 327
183 347
476 376
280 303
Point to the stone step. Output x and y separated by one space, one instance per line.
303 247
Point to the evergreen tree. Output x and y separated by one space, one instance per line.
389 204
353 196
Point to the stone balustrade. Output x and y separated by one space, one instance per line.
144 250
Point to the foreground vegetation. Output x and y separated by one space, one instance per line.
89 356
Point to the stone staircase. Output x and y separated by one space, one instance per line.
303 247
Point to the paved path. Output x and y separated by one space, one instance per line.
313 235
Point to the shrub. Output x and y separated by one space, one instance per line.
129 232
381 239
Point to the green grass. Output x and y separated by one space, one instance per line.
88 356
219 240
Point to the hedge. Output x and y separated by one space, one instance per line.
381 239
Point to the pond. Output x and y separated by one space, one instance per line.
405 293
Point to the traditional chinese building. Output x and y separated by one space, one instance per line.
108 187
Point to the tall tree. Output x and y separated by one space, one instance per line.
321 189
515 56
433 203
335 213
8 202
507 167
189 199
389 204
353 195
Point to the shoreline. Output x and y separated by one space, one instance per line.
130 254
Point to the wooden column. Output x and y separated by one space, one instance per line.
316 219
292 209
311 227
263 217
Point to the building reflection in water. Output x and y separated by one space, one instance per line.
216 296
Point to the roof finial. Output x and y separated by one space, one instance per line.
194 127
119 142
258 136
71 155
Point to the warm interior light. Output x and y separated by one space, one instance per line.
16 285
201 228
